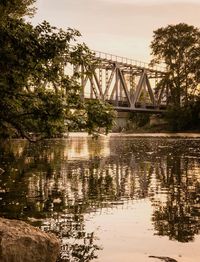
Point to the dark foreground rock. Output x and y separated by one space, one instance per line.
20 242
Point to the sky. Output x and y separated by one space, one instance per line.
120 27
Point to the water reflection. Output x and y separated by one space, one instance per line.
54 185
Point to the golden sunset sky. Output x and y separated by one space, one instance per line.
121 27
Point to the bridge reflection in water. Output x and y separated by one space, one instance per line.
59 185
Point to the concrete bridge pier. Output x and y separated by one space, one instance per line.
156 119
121 121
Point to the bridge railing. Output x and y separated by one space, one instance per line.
127 61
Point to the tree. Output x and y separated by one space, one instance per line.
16 8
37 96
178 46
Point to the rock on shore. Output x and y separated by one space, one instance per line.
21 242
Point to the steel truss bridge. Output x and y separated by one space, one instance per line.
127 84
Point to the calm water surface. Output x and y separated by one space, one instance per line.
119 199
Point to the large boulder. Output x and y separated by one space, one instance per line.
20 242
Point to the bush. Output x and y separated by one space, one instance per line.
139 119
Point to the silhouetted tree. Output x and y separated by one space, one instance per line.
37 96
178 47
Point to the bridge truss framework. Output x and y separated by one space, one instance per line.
127 84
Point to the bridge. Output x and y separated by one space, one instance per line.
127 84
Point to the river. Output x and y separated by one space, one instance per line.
118 198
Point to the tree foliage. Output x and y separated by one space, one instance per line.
37 96
16 8
139 119
178 46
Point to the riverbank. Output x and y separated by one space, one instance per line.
164 134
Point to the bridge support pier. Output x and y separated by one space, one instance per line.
156 120
121 121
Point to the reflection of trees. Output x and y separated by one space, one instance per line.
41 183
49 183
77 244
43 173
178 216
175 192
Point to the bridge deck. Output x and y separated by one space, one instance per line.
139 107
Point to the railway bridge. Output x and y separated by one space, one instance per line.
127 84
